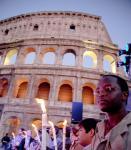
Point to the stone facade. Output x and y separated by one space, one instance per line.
57 33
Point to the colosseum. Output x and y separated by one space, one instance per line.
55 56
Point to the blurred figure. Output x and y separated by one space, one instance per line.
68 140
86 132
74 138
16 142
5 142
26 141
58 138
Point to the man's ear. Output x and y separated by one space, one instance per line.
92 132
124 96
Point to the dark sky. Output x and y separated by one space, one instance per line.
116 14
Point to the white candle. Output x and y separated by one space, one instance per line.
64 133
54 134
44 122
37 134
13 135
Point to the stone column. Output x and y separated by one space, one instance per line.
53 91
58 56
3 56
77 90
80 58
18 56
100 60
12 86
38 51
30 94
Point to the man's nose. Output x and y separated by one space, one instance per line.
102 92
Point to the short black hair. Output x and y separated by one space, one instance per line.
121 82
88 124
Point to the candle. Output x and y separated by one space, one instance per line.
44 122
13 141
64 133
37 134
13 135
54 134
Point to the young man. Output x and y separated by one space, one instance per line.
115 132
86 132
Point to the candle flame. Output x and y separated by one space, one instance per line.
33 125
65 123
51 123
13 134
42 104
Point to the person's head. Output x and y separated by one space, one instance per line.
74 133
86 131
111 93
21 131
6 134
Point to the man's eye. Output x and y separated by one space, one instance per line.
109 89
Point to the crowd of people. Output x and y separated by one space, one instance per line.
112 133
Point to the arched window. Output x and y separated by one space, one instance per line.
11 57
6 32
87 95
22 90
72 27
37 123
30 57
65 93
36 27
49 58
89 59
43 91
14 123
69 58
109 64
3 87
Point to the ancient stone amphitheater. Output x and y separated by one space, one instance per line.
56 56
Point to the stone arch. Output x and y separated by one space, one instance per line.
89 59
11 56
109 64
37 122
3 87
65 93
21 88
49 58
69 57
88 93
43 89
13 124
49 51
30 56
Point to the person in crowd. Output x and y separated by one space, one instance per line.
68 140
26 141
58 138
74 138
5 141
114 133
87 129
17 140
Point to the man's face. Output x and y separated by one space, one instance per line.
83 137
109 95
